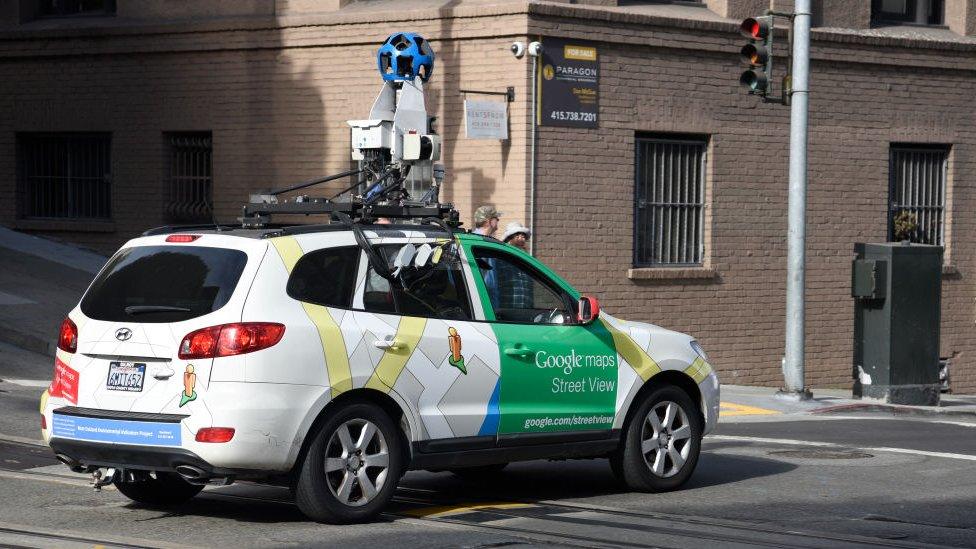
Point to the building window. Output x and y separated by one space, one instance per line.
917 176
65 175
189 177
669 201
68 8
917 12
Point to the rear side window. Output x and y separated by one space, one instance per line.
164 284
325 277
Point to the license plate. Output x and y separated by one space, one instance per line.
125 376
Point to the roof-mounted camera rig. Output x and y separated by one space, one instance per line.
396 138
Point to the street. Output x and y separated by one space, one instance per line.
765 478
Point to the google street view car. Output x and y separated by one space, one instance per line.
333 358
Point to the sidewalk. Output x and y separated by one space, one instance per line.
40 282
743 404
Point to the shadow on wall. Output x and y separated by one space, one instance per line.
282 136
447 101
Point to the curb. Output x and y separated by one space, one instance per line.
25 341
893 409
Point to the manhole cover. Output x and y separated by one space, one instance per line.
821 453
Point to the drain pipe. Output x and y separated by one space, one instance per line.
535 51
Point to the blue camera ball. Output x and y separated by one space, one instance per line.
405 56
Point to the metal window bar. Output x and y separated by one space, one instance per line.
65 176
918 186
190 178
669 202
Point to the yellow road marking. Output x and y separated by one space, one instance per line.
730 409
448 510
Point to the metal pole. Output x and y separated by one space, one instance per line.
793 366
532 139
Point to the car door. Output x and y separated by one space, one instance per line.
420 334
556 374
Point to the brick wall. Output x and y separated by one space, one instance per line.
276 97
858 107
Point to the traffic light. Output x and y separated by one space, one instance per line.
758 54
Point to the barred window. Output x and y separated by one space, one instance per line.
189 177
65 175
670 199
917 179
914 12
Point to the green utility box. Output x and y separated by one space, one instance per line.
897 290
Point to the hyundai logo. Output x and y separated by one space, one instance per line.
123 334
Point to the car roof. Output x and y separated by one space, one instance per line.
271 231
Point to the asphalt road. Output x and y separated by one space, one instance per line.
787 481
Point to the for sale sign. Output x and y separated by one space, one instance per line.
569 84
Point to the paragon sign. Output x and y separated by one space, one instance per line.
569 84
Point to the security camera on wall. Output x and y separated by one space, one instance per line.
518 49
535 49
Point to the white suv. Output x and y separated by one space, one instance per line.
333 358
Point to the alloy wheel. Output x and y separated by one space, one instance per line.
357 462
666 439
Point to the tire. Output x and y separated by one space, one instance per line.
480 472
658 469
159 488
344 479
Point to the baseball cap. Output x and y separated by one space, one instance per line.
484 213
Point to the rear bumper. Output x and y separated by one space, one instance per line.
125 456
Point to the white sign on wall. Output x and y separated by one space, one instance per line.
486 119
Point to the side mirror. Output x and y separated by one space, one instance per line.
588 309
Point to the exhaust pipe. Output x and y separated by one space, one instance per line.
72 463
191 473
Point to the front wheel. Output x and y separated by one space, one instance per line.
352 467
662 442
158 488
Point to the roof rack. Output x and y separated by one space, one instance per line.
257 214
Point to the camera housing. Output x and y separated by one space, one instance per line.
535 49
518 49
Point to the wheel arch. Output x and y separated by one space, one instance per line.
666 378
384 401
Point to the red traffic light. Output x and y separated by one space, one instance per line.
755 28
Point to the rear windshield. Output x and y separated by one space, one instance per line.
164 284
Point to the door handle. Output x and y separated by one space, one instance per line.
392 344
520 352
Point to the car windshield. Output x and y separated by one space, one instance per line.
164 284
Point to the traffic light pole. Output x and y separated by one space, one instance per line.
793 363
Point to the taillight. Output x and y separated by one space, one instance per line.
43 423
68 338
230 339
200 344
182 237
215 434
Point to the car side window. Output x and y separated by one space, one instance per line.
325 277
434 291
518 293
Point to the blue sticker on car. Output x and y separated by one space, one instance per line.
147 433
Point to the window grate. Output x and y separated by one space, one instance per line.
669 202
65 175
190 178
917 176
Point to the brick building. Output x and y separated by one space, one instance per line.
120 115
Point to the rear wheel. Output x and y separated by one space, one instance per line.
158 488
662 442
352 466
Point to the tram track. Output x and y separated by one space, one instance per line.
546 520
